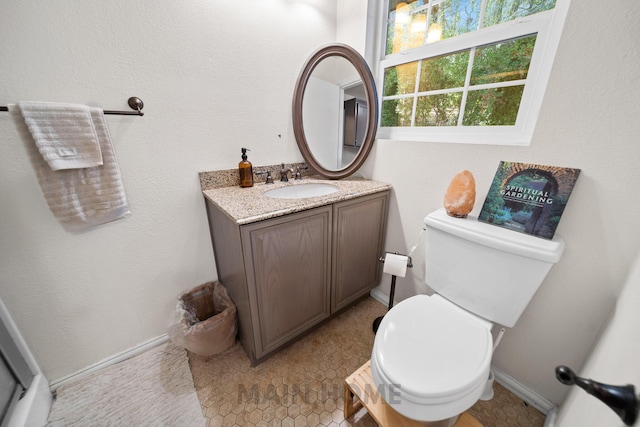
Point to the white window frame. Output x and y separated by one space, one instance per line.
548 27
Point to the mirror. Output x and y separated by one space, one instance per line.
335 111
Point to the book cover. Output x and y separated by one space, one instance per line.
528 198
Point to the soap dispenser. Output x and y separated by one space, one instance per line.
246 170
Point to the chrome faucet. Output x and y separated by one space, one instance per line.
297 175
284 174
269 179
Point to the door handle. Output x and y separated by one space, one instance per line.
622 399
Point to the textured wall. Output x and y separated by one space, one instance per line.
614 361
215 76
588 120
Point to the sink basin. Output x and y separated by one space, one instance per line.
302 191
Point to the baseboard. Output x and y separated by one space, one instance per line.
110 361
523 392
550 421
380 297
139 349
33 408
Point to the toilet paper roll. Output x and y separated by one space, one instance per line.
395 265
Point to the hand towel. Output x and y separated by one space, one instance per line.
64 134
80 198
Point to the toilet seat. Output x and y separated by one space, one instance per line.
432 356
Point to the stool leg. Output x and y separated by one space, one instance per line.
349 407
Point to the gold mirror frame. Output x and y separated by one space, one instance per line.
363 70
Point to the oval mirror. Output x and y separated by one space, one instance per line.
335 111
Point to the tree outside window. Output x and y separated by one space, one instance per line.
460 63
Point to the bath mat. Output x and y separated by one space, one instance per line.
152 389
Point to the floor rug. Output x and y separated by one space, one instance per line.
152 389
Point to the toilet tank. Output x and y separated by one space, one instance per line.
488 270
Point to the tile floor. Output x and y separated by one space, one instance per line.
302 385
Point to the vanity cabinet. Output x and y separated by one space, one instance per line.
288 268
358 233
290 273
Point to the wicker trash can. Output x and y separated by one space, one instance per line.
205 320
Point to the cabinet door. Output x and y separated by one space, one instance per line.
289 272
359 227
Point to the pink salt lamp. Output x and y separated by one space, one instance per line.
461 195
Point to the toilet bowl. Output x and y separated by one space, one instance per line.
432 354
431 359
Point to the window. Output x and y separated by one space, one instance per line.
470 71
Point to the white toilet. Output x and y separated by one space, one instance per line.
432 354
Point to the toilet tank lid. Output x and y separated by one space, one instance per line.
471 229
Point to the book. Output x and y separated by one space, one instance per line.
528 198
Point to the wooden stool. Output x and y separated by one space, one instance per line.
360 384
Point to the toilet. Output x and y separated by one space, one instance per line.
431 356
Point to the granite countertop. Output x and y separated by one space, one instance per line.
247 205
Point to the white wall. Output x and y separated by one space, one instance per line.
322 105
352 23
215 77
613 361
589 120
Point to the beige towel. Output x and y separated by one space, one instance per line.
64 134
80 198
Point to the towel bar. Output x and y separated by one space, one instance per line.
134 102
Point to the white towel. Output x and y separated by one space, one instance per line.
80 198
64 134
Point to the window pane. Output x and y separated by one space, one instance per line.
444 72
493 107
455 17
405 26
400 79
476 77
504 61
397 112
438 110
499 11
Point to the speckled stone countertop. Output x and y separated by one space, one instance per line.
247 205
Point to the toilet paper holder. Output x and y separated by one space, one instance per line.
383 257
376 322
